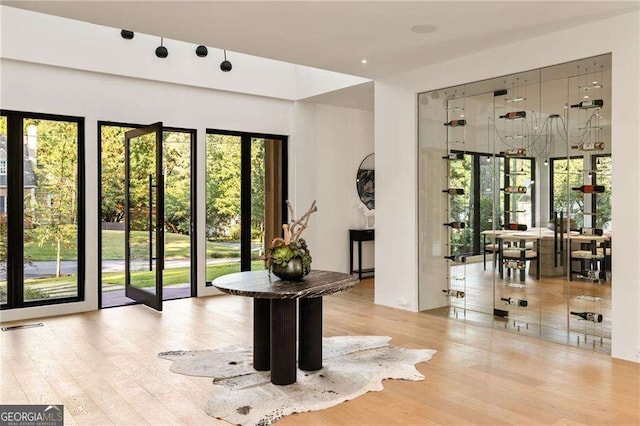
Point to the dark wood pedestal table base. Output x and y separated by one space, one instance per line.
274 318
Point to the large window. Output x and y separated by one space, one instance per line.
461 206
246 190
519 207
44 214
567 174
601 203
475 174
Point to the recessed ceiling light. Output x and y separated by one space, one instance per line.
364 61
424 28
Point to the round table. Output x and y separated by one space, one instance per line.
274 317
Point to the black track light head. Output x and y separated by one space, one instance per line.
161 51
201 51
225 66
126 34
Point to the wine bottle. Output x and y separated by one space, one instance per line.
514 152
514 264
592 274
515 189
457 258
515 114
515 227
591 231
456 225
456 123
514 301
596 103
589 146
590 189
454 156
454 191
454 293
588 316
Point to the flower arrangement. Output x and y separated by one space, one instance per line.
289 257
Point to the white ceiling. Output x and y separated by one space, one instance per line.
337 35
360 96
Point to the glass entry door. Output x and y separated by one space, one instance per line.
144 215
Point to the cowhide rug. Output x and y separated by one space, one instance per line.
353 366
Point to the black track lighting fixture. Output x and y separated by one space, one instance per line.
127 34
201 51
161 51
225 66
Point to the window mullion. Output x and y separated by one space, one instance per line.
15 211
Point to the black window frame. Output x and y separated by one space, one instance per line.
507 197
193 200
594 181
245 186
475 189
551 177
15 211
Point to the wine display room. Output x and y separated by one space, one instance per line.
515 184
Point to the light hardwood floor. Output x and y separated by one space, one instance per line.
104 367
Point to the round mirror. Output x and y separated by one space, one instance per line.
365 181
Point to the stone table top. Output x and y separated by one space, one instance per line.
257 284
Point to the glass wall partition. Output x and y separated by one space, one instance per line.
41 209
514 203
246 187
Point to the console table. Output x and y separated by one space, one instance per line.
274 318
359 235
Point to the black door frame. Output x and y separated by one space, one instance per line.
193 198
15 209
245 185
153 300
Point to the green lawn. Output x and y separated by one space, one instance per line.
177 246
171 276
176 275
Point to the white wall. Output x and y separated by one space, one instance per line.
396 196
396 144
330 144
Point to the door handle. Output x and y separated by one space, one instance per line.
160 223
150 220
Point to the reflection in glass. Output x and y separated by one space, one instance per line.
487 190
602 176
567 174
461 206
50 209
365 182
539 276
519 206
